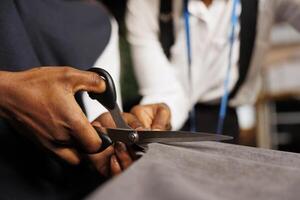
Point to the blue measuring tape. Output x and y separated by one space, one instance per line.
224 100
192 112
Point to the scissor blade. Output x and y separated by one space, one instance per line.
117 117
178 136
145 137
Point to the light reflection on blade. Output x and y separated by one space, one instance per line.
163 136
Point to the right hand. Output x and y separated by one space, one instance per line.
40 104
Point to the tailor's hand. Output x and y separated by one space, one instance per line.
153 116
40 104
114 159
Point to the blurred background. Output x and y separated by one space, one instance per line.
274 121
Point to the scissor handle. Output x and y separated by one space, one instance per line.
106 140
108 97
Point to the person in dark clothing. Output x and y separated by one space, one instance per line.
48 147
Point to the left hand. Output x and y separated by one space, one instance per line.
114 159
153 116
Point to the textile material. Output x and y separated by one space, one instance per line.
208 171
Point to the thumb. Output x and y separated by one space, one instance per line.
132 121
86 81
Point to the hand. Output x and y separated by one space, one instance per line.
153 116
117 158
40 104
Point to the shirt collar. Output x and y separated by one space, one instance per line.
198 9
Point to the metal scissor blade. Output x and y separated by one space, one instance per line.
178 136
117 117
144 137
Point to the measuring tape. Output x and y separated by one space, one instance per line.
224 100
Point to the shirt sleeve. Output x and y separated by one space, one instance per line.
110 61
289 11
156 76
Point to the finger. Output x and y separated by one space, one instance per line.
68 154
97 124
71 156
132 121
84 80
144 114
122 155
101 161
105 120
82 130
162 118
115 167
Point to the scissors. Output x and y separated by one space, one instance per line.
129 136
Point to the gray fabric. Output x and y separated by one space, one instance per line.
207 170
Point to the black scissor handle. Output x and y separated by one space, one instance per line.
106 141
108 97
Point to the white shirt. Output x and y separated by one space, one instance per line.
110 61
161 80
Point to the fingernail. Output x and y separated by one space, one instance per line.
114 158
156 128
120 146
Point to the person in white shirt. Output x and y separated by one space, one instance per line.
163 79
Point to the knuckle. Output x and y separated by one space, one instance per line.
61 138
67 73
